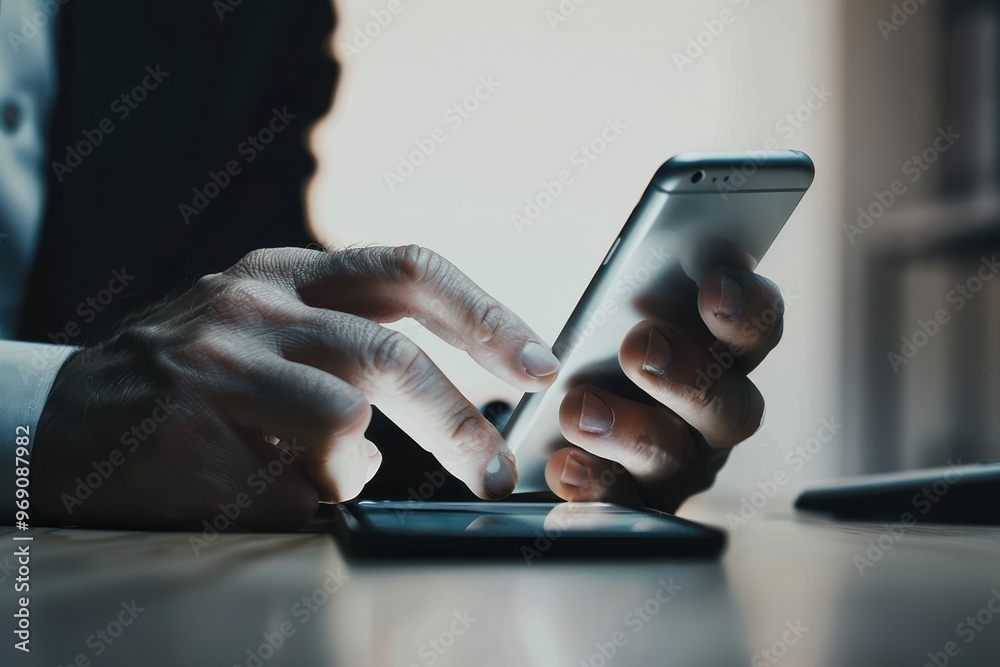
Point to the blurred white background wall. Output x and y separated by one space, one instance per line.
560 81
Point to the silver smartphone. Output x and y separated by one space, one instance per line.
701 211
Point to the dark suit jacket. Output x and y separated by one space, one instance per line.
118 209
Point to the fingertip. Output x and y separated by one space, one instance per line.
569 476
570 407
538 362
500 476
744 311
722 293
575 472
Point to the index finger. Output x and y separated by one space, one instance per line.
385 284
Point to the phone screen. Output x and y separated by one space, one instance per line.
518 519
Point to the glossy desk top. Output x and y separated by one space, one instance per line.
789 590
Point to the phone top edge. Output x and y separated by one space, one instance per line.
733 172
739 191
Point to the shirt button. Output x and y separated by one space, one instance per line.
10 117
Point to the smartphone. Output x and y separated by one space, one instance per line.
532 532
701 211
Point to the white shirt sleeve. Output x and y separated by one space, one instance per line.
27 371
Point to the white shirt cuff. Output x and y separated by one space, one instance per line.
27 371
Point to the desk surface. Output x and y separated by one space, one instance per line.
789 590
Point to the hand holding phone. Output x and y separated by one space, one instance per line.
653 392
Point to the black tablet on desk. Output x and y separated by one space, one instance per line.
967 494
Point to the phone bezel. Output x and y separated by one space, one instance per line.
362 540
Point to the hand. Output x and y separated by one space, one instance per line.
696 402
250 394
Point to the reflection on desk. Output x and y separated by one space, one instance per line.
790 590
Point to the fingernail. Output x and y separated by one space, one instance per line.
370 450
538 361
574 473
596 416
659 355
730 297
501 476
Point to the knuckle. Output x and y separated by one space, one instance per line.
746 339
144 337
258 258
770 288
238 299
347 414
644 456
270 264
471 441
210 284
489 315
395 356
704 395
737 411
211 352
262 260
752 413
778 303
418 265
